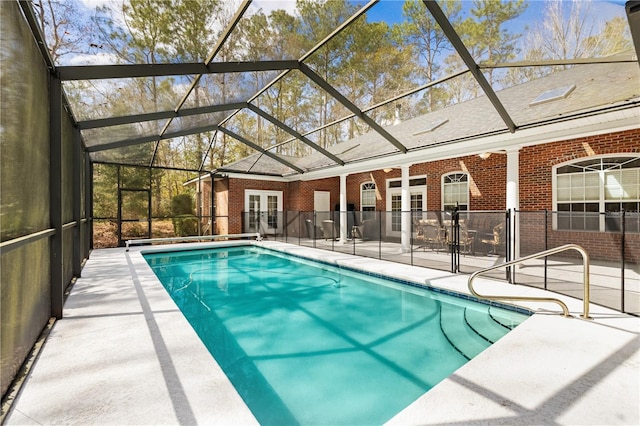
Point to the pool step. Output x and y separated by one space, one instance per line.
507 319
467 341
486 325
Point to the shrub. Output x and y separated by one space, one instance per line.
184 222
185 225
181 204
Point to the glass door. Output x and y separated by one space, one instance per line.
263 212
253 221
394 205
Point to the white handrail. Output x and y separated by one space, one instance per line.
193 238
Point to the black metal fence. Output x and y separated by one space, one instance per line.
463 241
467 241
612 241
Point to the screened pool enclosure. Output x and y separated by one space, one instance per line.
113 116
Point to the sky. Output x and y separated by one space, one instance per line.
389 11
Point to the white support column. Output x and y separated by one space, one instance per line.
405 203
343 208
513 196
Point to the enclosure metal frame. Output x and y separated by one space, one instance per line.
66 73
120 220
78 194
55 194
59 106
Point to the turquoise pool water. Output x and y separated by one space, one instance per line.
308 343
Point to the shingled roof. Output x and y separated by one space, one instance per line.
592 89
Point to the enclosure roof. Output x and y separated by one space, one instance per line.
595 89
325 85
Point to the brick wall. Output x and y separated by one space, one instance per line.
487 185
237 187
487 190
222 206
487 180
355 181
536 167
536 162
600 245
605 246
300 194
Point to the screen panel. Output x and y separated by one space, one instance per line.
25 308
25 130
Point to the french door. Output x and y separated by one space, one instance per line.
263 211
394 205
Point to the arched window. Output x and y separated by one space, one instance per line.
455 191
368 197
590 194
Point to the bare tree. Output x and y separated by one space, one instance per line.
569 30
60 22
615 37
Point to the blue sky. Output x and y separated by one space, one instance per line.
391 10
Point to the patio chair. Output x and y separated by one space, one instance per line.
330 230
313 232
495 239
369 230
467 239
429 235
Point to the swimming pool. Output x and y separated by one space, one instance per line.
309 343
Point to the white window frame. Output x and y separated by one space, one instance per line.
263 208
602 201
413 190
362 185
442 183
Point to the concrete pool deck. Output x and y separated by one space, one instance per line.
124 354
